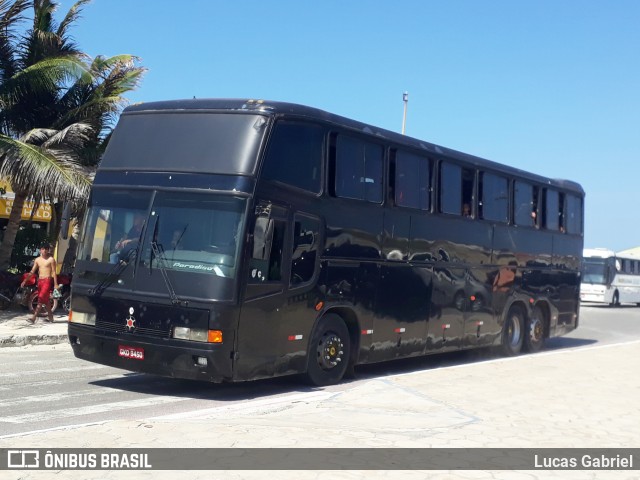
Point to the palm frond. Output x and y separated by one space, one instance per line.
38 136
11 17
45 173
45 75
74 137
71 17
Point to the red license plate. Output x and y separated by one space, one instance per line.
131 352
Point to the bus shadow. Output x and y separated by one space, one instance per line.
261 389
465 357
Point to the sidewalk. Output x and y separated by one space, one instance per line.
17 331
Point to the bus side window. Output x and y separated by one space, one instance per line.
493 201
268 245
358 169
295 155
573 214
412 181
450 188
525 201
551 210
306 239
562 213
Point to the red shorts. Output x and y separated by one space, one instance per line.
45 287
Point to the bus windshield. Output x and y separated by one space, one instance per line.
194 233
594 271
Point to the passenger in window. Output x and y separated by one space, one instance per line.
466 210
133 236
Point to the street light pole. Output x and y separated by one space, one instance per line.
405 99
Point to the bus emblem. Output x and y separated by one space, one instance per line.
131 320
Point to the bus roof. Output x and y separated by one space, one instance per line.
598 253
275 109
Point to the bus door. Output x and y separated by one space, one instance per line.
276 314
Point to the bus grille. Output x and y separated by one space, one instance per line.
122 328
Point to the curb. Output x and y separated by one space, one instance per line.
22 340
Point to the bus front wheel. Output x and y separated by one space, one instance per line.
328 356
513 332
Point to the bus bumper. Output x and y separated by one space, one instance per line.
592 297
168 358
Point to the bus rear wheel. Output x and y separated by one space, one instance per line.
513 332
534 331
329 348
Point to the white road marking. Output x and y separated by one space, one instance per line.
90 409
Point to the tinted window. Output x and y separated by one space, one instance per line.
552 210
574 214
494 198
269 266
295 156
412 181
306 238
226 143
524 204
358 169
450 188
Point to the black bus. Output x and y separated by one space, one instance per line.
231 240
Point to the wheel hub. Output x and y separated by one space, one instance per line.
330 351
536 330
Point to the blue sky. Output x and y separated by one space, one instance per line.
549 86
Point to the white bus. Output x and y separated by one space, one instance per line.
610 278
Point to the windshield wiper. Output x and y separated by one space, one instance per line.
114 273
158 252
118 268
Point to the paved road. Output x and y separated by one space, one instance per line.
583 391
45 387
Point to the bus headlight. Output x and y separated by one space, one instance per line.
197 334
82 317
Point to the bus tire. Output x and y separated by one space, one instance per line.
534 331
513 332
329 348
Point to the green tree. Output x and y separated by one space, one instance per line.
57 107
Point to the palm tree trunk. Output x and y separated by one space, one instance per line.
56 222
12 230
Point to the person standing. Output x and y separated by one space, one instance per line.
46 267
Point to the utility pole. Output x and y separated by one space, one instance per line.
405 99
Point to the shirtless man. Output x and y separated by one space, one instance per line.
45 264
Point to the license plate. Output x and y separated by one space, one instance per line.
131 352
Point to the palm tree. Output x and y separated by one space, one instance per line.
57 107
43 164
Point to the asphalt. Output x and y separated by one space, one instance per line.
17 331
574 397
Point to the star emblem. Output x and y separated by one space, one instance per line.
131 323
